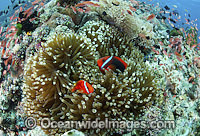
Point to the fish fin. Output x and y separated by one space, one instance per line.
112 67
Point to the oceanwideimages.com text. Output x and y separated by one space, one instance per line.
101 124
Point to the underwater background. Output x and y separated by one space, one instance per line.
121 60
184 7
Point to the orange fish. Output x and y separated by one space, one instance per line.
129 12
1 29
4 72
142 36
28 10
80 10
35 2
111 62
83 87
132 8
135 2
86 3
152 16
80 5
3 51
8 67
21 9
194 45
91 3
13 62
164 52
42 4
177 54
190 78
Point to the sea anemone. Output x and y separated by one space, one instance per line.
50 72
62 61
108 40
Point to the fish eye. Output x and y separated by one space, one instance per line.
103 60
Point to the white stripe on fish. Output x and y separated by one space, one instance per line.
109 59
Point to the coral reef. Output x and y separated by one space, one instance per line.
68 2
56 43
10 92
118 15
73 133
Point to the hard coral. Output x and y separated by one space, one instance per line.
119 15
10 96
68 2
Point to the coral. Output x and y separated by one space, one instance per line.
19 29
36 131
68 2
63 48
175 32
60 19
117 15
10 94
73 132
2 67
61 14
110 42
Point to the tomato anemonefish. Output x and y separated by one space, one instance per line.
83 87
111 62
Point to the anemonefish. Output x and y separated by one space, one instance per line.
83 87
111 62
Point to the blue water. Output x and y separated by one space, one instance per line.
184 8
188 9
4 4
192 6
